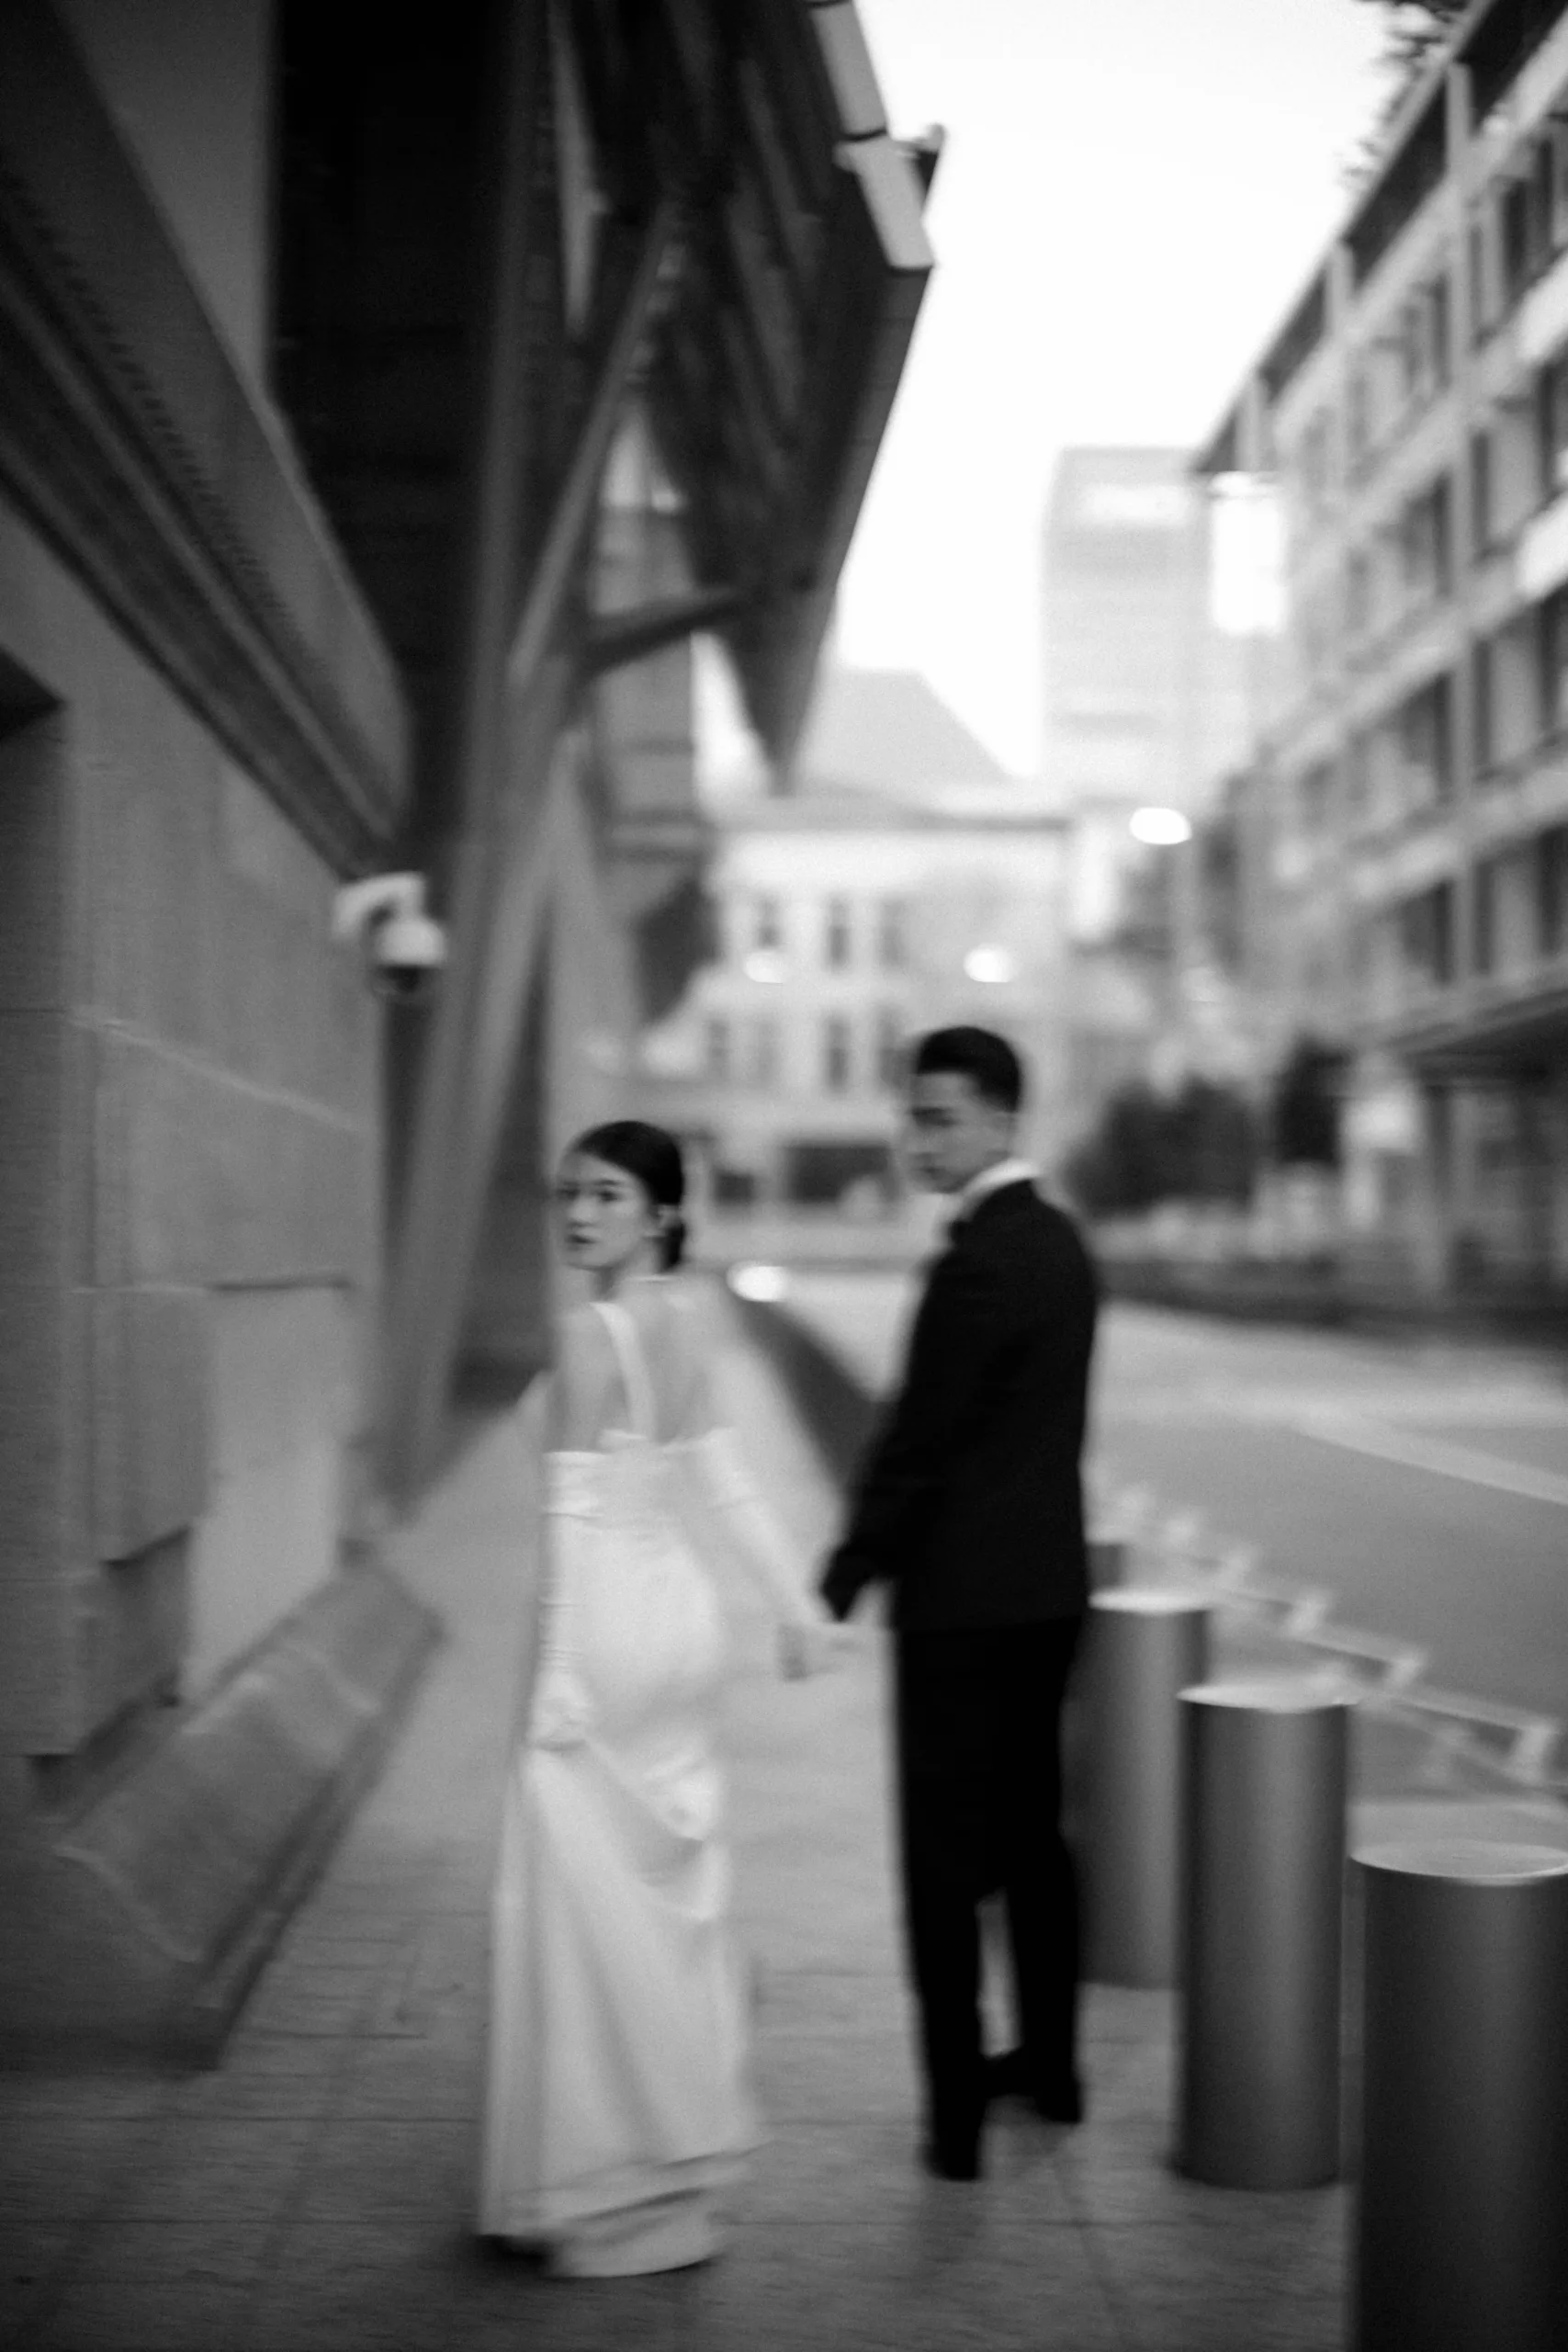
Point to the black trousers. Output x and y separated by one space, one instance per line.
980 1805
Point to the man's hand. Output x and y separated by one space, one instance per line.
839 1585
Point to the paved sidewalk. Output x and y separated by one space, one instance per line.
315 2188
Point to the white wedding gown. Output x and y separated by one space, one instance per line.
617 2095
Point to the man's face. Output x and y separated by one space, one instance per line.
952 1132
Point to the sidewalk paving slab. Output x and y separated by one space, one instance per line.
315 2188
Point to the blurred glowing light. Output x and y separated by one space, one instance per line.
765 1285
765 964
1163 828
992 965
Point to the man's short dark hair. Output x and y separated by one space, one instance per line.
986 1060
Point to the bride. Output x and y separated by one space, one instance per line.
618 2108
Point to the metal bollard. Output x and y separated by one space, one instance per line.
1144 1645
1461 2227
1267 1780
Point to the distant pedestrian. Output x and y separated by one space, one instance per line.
969 1508
618 2108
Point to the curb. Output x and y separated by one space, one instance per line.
144 1920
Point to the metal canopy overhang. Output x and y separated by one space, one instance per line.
774 362
849 399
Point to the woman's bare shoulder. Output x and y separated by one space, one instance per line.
683 1345
582 1318
583 1372
584 1352
666 1318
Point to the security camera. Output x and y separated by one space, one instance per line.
403 948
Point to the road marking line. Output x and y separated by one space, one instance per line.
1450 1720
1445 1461
1493 1408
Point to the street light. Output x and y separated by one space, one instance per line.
1160 828
765 1285
993 966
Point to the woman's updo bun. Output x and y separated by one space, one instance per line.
653 1157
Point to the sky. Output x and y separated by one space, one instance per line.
1131 195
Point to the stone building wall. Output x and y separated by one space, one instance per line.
188 1181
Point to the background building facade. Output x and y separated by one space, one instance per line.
1412 787
847 922
1151 679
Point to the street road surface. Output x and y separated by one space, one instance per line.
1424 1483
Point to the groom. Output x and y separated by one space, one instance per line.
968 1505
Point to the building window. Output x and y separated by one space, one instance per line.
1509 680
1552 426
836 1054
1316 636
1482 706
1482 302
889 1048
1426 744
764 1070
1313 468
1425 543
1558 137
1422 353
1551 890
1483 917
715 1048
837 936
1542 208
893 934
1550 653
1515 227
767 924
1531 214
1438 331
1483 519
1426 936
1317 798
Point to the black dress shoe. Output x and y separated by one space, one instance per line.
1061 2101
1057 2097
952 2160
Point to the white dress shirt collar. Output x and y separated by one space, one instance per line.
990 1180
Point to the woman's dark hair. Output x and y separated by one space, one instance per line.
986 1060
654 1157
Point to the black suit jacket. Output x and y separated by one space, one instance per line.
969 1503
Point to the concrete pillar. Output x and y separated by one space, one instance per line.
1144 1647
1109 1558
1461 2225
1266 1764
